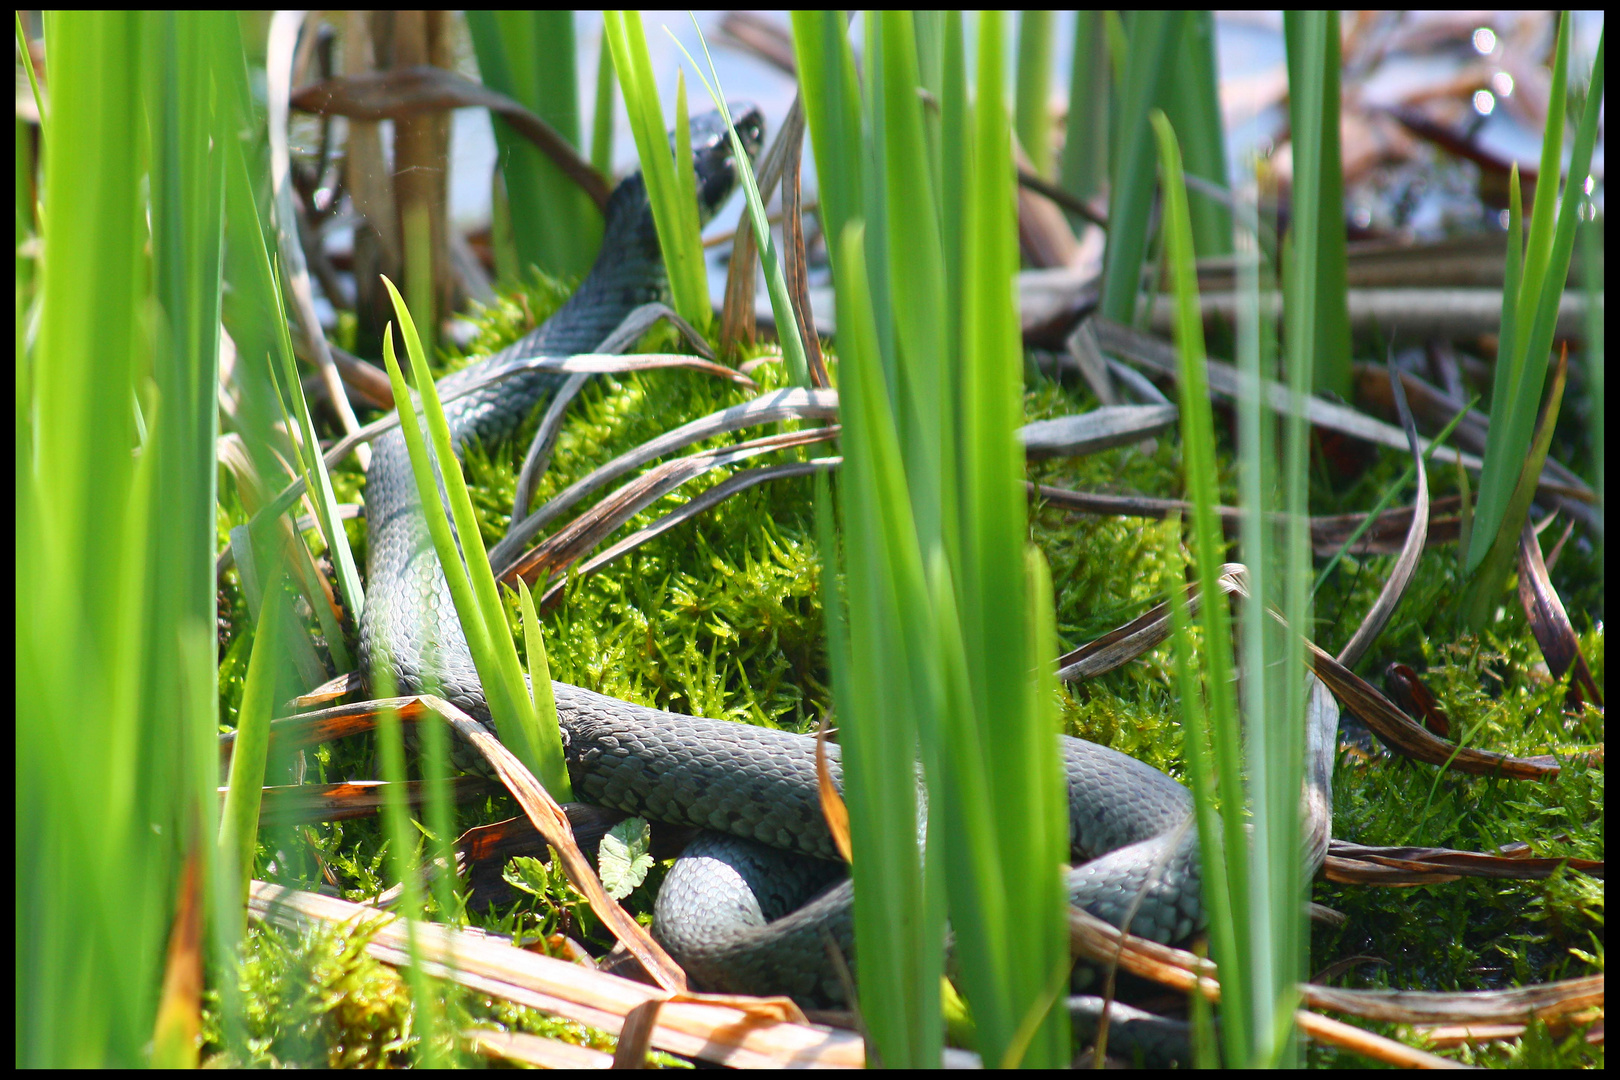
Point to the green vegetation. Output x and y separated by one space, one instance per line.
723 617
151 179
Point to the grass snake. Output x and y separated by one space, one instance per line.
750 904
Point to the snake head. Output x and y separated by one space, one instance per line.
712 155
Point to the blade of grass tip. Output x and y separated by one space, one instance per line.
545 699
545 743
1040 620
1146 69
1539 251
1539 338
513 728
28 66
1195 724
685 167
313 468
1521 379
677 232
929 30
1118 47
239 817
1233 936
1541 331
787 324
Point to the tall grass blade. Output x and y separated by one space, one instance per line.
1150 59
239 817
472 585
874 114
1034 117
1478 602
1312 39
945 619
1193 104
405 865
955 146
826 66
1521 369
602 115
890 683
793 348
1592 278
1214 754
1018 889
1085 140
918 293
530 57
115 490
675 218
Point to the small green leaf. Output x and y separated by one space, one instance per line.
529 875
625 857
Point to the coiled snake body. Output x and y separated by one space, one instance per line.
730 911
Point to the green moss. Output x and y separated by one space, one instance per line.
313 1000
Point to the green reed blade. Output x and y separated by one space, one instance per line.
1154 37
1319 231
530 57
1193 104
483 619
890 678
1521 368
115 475
676 220
1085 140
1214 754
826 66
787 324
1034 116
